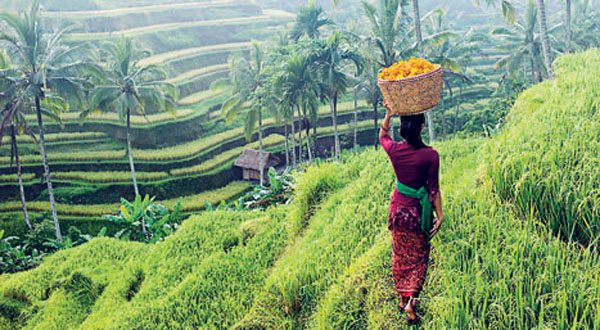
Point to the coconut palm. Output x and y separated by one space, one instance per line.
369 89
568 26
508 10
389 29
247 82
522 44
128 86
453 53
585 31
12 114
309 21
299 90
330 59
544 37
48 71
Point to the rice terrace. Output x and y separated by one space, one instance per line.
302 164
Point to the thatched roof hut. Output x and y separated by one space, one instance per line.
249 162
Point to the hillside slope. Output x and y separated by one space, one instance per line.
323 262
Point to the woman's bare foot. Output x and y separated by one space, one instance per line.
403 302
410 310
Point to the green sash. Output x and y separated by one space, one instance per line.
423 198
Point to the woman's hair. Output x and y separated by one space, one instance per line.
410 130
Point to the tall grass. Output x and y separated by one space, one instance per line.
12 178
546 161
323 262
106 177
168 27
165 57
114 117
189 203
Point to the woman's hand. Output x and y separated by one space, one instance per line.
388 111
436 227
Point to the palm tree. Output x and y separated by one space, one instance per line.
389 32
128 86
48 74
419 35
453 53
545 40
248 80
330 60
522 44
508 10
12 113
309 21
568 29
389 28
299 90
585 27
369 88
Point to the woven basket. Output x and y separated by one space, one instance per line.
413 95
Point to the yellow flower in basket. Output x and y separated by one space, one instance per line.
405 69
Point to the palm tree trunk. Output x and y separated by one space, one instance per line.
443 113
355 117
417 18
293 141
131 165
336 138
376 126
532 70
315 139
260 147
287 147
47 170
307 127
457 111
20 176
130 153
568 32
300 155
544 35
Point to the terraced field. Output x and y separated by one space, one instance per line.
183 156
502 260
179 156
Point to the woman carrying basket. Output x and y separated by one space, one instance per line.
410 219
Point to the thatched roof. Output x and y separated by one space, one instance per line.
250 159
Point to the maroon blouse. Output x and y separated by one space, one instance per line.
414 168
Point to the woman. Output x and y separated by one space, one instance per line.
417 188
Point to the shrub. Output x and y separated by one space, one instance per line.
147 222
15 258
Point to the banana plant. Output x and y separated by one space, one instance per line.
146 221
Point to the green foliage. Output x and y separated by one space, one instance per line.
556 184
16 258
159 222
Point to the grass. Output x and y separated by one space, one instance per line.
167 27
558 185
190 75
169 56
137 9
61 137
199 97
182 151
107 177
114 117
323 261
189 203
227 156
12 178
